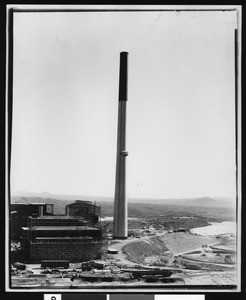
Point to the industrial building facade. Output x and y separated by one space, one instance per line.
73 243
73 236
56 221
20 212
85 209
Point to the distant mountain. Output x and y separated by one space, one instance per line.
203 201
211 202
146 210
194 202
64 197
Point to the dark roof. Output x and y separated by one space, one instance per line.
61 228
81 204
64 238
82 201
63 217
26 204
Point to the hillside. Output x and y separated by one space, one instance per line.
164 212
210 202
63 197
202 201
142 251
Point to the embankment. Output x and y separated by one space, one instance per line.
140 250
158 246
179 242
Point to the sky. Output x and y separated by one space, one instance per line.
180 109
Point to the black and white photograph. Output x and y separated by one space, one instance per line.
123 128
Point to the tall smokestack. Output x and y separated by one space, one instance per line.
120 203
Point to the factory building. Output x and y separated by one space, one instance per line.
73 243
85 209
20 212
56 221
33 209
64 237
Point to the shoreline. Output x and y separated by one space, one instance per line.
216 228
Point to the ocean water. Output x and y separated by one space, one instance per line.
227 227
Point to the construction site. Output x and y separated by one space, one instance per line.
64 251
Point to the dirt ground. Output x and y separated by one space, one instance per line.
178 244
